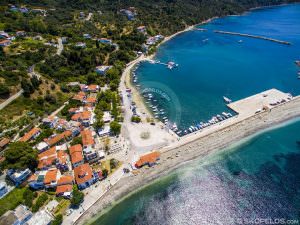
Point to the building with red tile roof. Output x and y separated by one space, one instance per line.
64 190
62 160
32 134
85 118
51 178
84 176
148 159
93 88
65 179
59 138
47 158
4 142
87 138
76 155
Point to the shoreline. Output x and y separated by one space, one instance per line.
130 185
221 140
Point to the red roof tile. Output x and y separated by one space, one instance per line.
87 138
50 176
30 134
64 188
83 173
76 153
148 158
67 179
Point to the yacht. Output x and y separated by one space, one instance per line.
227 100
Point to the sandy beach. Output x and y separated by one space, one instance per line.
177 156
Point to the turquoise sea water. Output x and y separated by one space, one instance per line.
214 65
258 179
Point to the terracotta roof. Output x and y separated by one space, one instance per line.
67 179
62 156
54 140
83 173
4 142
47 153
72 110
148 158
30 134
93 87
4 41
76 153
87 137
64 188
50 176
91 100
79 97
85 115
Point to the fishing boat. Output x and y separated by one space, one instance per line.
172 65
227 100
240 41
297 62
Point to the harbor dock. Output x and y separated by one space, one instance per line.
253 36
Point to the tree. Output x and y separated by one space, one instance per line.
27 87
113 163
115 127
77 197
104 173
76 141
20 155
28 197
57 220
4 91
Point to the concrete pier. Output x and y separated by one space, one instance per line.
253 36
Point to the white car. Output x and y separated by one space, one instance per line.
69 212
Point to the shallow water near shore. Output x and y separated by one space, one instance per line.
214 65
259 178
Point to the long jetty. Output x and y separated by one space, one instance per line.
253 36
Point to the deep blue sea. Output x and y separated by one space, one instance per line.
214 65
252 183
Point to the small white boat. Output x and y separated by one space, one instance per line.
227 100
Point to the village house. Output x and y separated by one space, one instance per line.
18 177
105 41
93 88
91 101
84 176
42 146
47 158
149 159
36 180
59 138
65 186
106 117
51 178
32 134
85 118
80 96
88 142
4 143
87 36
20 33
102 69
105 131
129 13
80 45
76 155
141 29
4 35
5 43
50 121
62 160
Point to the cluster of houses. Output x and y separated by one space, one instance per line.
130 13
25 10
105 41
6 39
61 164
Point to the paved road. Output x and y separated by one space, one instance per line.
10 99
60 47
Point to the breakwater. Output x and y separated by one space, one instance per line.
253 36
